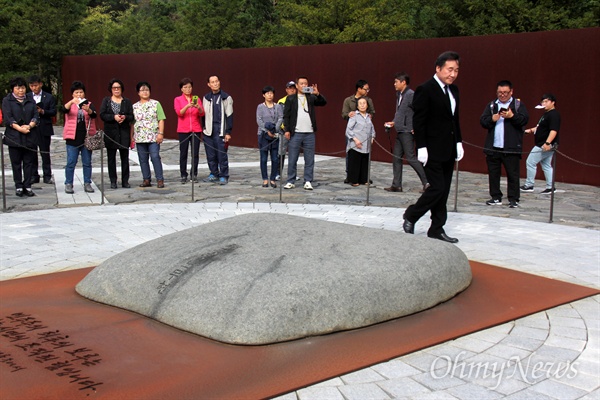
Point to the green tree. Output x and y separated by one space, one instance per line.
35 35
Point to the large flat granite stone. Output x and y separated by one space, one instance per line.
266 278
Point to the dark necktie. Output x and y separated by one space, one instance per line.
448 96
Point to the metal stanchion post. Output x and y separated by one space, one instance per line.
102 170
192 171
552 192
281 164
3 177
456 188
368 168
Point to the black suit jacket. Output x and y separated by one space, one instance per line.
436 128
290 111
117 136
49 106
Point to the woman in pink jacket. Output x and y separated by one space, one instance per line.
80 117
188 110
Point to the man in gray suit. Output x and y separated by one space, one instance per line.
403 122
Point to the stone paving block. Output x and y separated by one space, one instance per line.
529 333
528 394
568 332
565 342
395 369
522 342
470 391
368 391
319 393
402 387
558 390
366 375
568 322
581 380
331 382
471 344
565 310
438 380
420 360
507 352
434 396
553 354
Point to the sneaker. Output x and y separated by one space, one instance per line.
289 186
526 188
210 178
494 202
549 191
278 177
69 188
222 181
513 204
87 187
183 180
307 186
195 179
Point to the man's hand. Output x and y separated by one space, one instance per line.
422 155
460 152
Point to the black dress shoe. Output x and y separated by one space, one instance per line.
393 189
48 180
19 193
113 185
28 192
126 185
408 226
35 179
442 236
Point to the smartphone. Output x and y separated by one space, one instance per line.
83 102
307 89
502 110
195 99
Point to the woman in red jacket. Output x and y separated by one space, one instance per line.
188 110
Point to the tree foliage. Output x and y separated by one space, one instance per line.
35 35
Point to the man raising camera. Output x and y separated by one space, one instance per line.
300 126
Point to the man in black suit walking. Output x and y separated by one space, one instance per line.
46 105
439 144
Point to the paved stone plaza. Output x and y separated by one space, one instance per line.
54 232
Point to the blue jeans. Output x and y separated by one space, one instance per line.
151 151
268 146
86 161
216 155
307 142
537 156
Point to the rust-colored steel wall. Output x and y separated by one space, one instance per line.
561 62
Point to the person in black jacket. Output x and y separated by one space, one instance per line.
117 113
20 118
505 119
46 106
436 123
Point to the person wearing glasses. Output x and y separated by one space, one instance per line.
505 119
351 105
117 113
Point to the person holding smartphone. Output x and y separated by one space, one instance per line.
504 118
189 126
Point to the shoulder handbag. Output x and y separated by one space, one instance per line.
93 142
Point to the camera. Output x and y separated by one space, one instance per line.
83 102
307 89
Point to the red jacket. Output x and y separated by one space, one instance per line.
190 120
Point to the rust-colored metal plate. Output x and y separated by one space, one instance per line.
54 344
